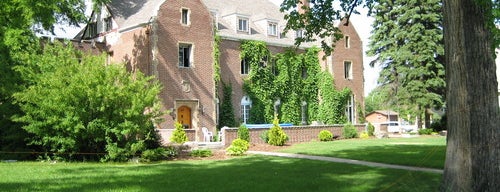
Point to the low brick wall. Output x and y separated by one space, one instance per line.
296 134
166 134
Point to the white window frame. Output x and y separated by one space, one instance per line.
246 105
350 110
182 48
348 70
243 28
244 67
272 29
185 17
347 41
299 33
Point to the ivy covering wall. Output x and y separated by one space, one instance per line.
293 78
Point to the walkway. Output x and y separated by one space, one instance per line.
349 161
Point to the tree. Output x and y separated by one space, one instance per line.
470 36
20 20
408 42
226 109
75 103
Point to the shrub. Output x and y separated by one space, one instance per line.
276 134
364 135
244 133
153 154
238 147
349 131
264 136
179 135
325 135
371 129
201 153
424 131
171 152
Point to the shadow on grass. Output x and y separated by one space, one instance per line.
250 173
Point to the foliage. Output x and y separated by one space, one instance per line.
172 151
276 134
411 57
349 131
440 124
325 135
179 135
238 147
74 103
289 76
201 153
264 136
364 135
244 133
424 131
371 129
226 117
333 102
153 154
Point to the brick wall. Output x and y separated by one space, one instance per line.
296 134
193 86
353 53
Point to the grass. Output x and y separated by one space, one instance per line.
428 151
249 173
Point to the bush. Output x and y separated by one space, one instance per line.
264 136
371 129
364 135
238 147
439 125
201 153
276 134
153 154
424 131
171 152
179 135
325 135
349 131
244 133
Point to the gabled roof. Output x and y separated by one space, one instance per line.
132 13
384 112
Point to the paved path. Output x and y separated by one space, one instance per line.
349 161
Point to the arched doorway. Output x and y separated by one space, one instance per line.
184 116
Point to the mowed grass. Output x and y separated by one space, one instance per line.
424 151
249 173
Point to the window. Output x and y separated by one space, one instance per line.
246 104
349 110
245 66
299 33
185 55
109 24
185 16
347 42
92 30
272 29
348 69
243 24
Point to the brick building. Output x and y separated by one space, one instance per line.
174 41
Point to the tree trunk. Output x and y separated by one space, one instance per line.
472 161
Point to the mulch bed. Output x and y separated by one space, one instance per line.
220 154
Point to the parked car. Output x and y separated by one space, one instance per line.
395 127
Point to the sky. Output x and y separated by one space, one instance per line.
361 23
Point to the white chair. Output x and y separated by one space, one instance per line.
207 135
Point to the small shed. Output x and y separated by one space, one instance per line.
382 116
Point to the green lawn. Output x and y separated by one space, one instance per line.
425 151
250 173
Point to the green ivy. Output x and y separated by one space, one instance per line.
293 77
333 102
226 117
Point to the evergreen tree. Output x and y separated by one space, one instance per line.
407 39
226 110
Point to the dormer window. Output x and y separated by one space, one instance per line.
243 24
272 29
108 24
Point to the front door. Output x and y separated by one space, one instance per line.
184 116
